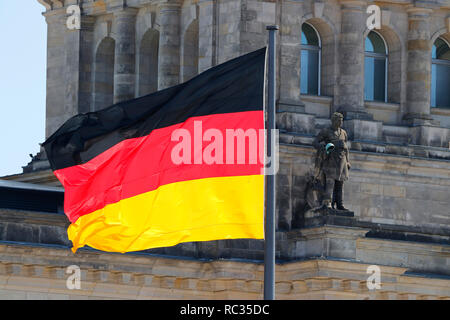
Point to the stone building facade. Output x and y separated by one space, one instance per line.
389 84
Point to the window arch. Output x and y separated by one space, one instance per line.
375 68
310 60
190 52
104 74
440 74
148 63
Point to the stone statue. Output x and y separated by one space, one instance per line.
331 166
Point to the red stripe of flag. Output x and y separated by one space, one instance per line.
140 165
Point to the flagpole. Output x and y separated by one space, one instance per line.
269 242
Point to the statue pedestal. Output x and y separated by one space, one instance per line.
322 216
321 212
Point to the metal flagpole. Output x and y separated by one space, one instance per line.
269 241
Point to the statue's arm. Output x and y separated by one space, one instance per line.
346 150
319 141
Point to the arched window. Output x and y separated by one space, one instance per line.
104 74
375 68
148 63
190 52
310 61
440 74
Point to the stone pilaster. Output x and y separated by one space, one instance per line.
56 28
418 70
290 48
350 81
255 16
125 54
78 62
291 115
69 58
206 34
169 44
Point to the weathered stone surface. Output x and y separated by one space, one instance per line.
364 130
130 276
227 29
296 122
169 42
350 79
399 182
418 67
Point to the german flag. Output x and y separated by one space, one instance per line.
179 165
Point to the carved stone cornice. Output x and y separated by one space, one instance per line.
432 4
414 11
52 4
114 6
46 3
169 4
124 11
353 4
43 270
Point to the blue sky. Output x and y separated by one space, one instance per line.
23 42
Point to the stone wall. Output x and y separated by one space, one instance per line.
387 189
399 181
393 197
196 35
130 276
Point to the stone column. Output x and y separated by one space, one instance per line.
69 55
56 62
206 34
56 112
79 61
125 53
169 44
291 115
350 81
418 70
349 99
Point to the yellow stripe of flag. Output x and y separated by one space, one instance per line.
203 210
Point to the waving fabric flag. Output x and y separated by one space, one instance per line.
179 165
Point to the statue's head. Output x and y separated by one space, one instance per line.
337 119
